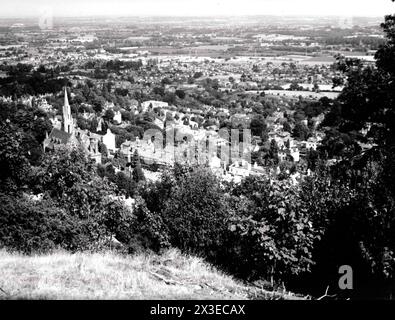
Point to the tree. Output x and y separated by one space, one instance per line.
195 211
166 81
69 179
109 115
125 183
300 131
170 98
98 103
180 94
35 226
31 124
312 159
138 174
135 159
368 95
159 91
13 161
273 152
295 86
355 198
287 127
258 125
269 238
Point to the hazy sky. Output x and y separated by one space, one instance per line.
19 8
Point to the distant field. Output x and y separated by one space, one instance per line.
215 51
304 94
210 47
113 276
322 59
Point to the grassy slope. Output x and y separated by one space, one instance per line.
112 276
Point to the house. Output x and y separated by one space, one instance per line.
109 141
117 117
43 105
194 125
56 122
240 168
310 144
126 150
215 163
295 154
100 125
282 155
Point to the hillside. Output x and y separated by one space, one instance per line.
112 276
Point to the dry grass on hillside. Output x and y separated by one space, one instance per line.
113 276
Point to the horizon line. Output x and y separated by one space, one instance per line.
197 16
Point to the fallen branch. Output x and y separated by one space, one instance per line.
326 294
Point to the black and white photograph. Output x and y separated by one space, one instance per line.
197 150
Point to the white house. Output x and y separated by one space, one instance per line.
295 154
117 117
240 168
109 140
215 163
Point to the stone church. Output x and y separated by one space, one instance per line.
69 134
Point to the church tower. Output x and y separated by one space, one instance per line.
68 125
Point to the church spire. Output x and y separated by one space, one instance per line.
66 99
67 118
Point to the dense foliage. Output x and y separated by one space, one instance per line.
63 203
254 230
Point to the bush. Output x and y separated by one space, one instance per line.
191 205
271 233
138 228
36 226
195 212
71 181
254 230
354 206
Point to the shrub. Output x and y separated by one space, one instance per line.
354 206
191 205
271 233
195 212
70 180
254 230
138 228
35 226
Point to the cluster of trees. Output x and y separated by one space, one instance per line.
60 201
245 229
31 125
101 70
22 79
358 43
